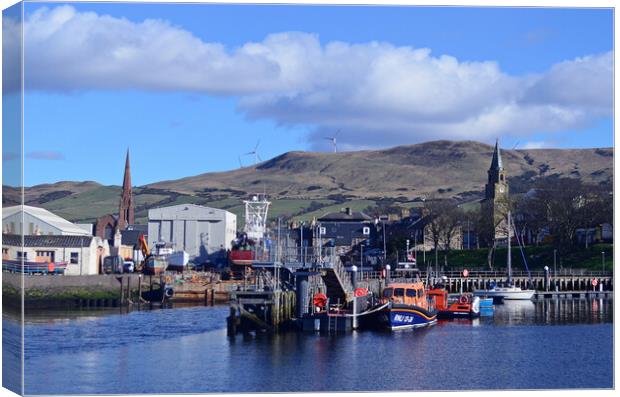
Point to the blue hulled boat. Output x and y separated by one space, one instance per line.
406 306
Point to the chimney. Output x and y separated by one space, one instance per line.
348 210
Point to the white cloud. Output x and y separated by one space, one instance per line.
534 145
375 92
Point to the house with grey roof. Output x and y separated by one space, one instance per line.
82 254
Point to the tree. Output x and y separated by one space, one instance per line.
443 217
562 205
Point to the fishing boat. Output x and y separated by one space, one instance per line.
507 291
178 260
241 255
155 264
175 260
17 266
406 306
465 306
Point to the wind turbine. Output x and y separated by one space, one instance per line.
255 153
333 140
240 163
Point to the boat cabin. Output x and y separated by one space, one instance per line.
406 293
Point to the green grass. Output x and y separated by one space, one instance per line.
355 205
224 203
148 199
537 258
88 205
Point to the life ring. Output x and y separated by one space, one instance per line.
320 300
463 299
361 292
51 267
168 292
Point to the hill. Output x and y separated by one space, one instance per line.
308 183
444 168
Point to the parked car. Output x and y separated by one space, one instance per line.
128 267
113 264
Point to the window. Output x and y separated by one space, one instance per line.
75 256
411 293
420 293
108 232
399 292
5 252
46 254
21 255
387 293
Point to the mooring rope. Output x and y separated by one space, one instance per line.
364 313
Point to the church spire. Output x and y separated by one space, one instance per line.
127 176
496 162
126 208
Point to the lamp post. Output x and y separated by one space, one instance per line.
468 240
603 259
384 245
555 269
301 247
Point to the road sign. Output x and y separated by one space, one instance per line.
594 282
465 272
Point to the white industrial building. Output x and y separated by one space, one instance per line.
37 221
204 233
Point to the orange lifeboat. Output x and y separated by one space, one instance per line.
466 306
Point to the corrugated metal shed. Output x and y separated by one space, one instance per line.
45 216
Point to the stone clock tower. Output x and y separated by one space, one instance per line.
496 195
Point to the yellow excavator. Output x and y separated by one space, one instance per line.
146 252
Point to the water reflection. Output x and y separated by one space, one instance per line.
550 312
136 353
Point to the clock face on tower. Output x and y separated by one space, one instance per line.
501 189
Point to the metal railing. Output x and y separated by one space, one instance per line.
499 273
308 256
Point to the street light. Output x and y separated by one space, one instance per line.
555 269
603 254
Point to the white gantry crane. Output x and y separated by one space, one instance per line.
256 216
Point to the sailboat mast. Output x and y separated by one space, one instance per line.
509 256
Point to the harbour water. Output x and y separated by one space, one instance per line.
550 344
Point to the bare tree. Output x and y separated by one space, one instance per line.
443 218
562 205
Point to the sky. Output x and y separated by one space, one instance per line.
192 88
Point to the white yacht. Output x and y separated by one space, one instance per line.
507 291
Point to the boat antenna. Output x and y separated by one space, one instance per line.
509 254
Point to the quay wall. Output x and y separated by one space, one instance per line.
49 291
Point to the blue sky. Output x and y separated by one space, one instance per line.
196 89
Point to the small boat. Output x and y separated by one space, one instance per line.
17 266
508 291
155 264
466 306
178 260
406 306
